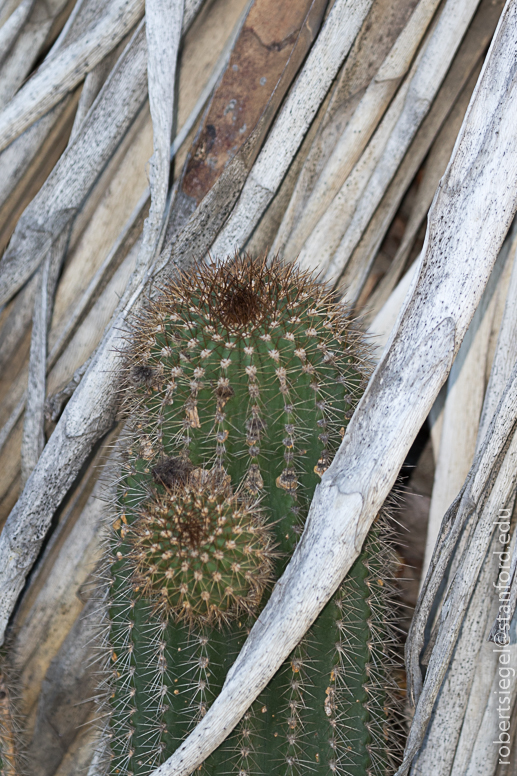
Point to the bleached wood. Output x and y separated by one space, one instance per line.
70 559
16 160
92 85
361 125
10 29
484 754
464 69
462 410
60 74
434 62
435 166
324 238
98 230
326 56
437 754
480 501
463 699
65 189
475 753
163 32
458 255
384 323
506 351
87 336
7 7
33 439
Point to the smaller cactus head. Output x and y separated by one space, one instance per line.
204 555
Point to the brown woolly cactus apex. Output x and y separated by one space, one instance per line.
241 379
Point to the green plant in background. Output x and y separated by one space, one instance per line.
241 379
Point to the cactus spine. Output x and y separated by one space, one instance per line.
11 744
240 382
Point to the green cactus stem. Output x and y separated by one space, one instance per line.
240 382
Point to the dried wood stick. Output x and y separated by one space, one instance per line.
469 658
6 9
211 182
17 157
326 236
476 753
385 322
450 719
322 64
10 29
435 60
112 113
92 85
103 275
61 73
163 31
133 226
361 125
459 253
18 321
53 605
33 439
506 351
16 160
62 194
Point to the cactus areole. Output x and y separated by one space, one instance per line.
240 381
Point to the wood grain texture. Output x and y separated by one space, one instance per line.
433 62
163 23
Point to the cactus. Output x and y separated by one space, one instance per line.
240 381
11 743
